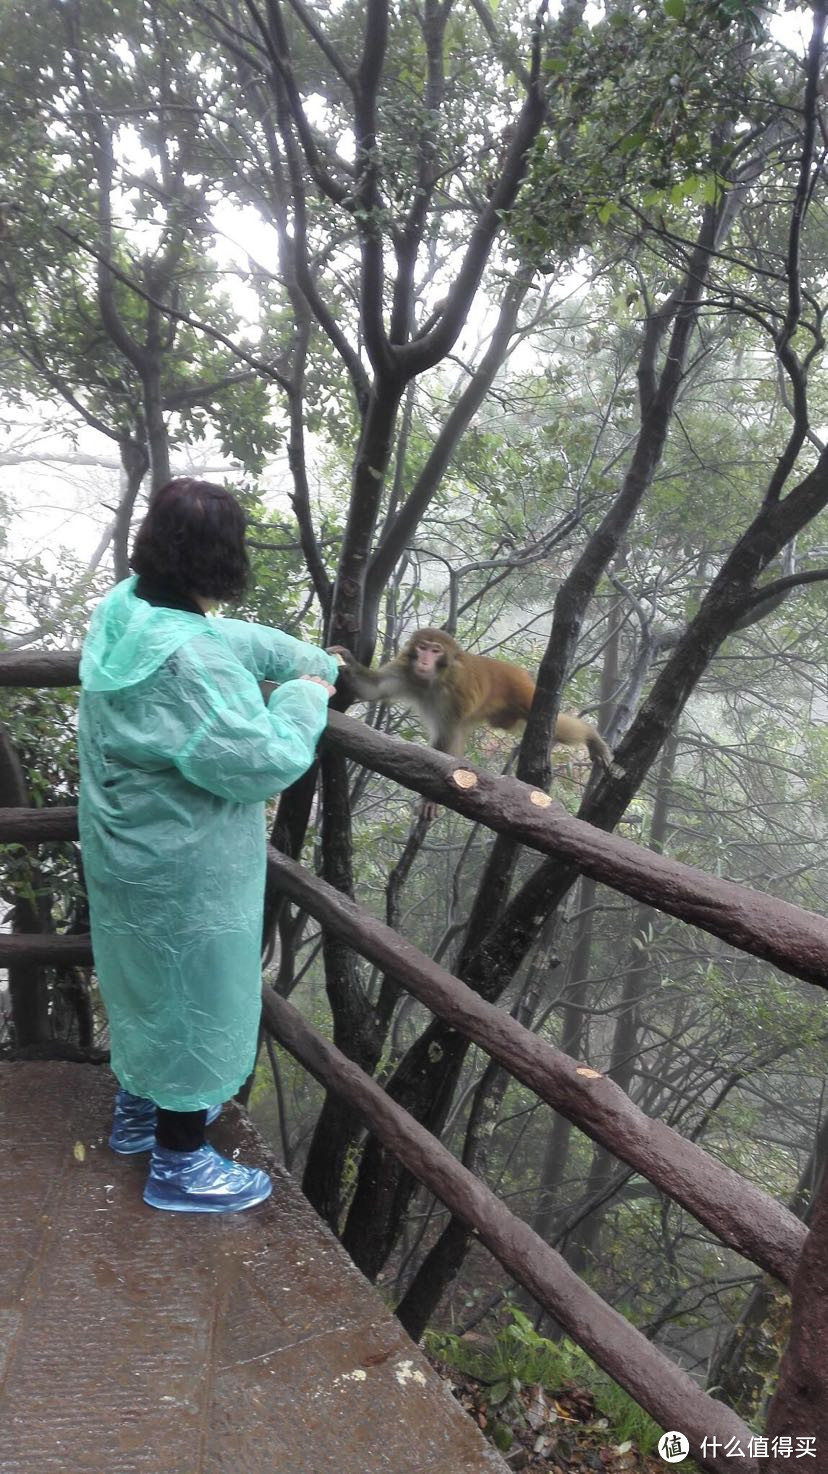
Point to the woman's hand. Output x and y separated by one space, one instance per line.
320 681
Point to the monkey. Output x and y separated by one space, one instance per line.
453 692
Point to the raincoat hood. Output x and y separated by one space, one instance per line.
129 639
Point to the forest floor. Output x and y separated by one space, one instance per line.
538 1432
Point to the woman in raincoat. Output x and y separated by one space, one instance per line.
178 753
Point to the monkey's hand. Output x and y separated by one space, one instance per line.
341 655
347 675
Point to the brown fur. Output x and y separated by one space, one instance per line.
454 692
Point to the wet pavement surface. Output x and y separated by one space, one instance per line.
139 1342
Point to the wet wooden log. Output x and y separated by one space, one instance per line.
667 1392
732 1208
739 1213
788 936
40 668
54 951
36 826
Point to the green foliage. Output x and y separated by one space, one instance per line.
676 71
518 1357
115 363
278 592
41 726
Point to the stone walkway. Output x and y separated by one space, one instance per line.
139 1342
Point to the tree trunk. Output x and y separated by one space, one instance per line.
157 438
556 1152
749 1356
383 1190
352 623
800 1407
582 1245
444 1260
135 464
354 1029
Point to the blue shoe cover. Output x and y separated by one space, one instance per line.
203 1182
133 1125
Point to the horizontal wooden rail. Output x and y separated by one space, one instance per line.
40 668
739 1213
45 947
648 1375
36 826
788 936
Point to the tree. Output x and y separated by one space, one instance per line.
109 183
421 171
424 1081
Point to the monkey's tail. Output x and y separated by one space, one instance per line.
598 750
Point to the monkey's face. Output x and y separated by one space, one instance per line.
428 660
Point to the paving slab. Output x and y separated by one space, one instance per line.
140 1342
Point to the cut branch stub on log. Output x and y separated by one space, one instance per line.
464 778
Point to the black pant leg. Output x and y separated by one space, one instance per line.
180 1131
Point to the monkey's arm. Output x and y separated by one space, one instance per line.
357 683
435 708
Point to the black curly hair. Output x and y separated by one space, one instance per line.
192 540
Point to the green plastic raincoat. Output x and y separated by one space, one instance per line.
178 753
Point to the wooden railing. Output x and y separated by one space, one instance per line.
740 1214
